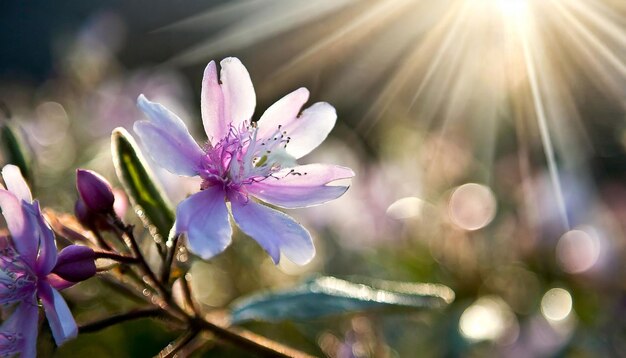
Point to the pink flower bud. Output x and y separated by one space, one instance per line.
75 263
95 191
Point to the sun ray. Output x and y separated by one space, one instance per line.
591 39
543 129
378 15
460 63
272 19
449 25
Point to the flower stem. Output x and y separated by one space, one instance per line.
180 343
101 241
187 294
116 257
127 230
110 321
250 341
169 258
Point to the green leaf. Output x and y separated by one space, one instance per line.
145 194
326 296
16 151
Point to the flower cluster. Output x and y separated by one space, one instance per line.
242 160
31 270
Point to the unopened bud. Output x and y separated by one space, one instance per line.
84 215
95 191
75 263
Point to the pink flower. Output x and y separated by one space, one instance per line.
243 159
28 271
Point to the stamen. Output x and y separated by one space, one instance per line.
242 158
10 343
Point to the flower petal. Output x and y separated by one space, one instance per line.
275 231
60 318
212 105
238 92
59 283
21 226
22 327
204 218
167 139
15 182
282 112
47 245
302 186
305 131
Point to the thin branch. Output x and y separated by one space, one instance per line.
169 259
116 257
115 284
113 320
187 294
250 341
171 349
122 229
101 242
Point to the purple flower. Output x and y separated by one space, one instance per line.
94 191
27 264
243 159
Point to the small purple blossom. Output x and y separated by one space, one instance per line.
94 191
244 159
27 264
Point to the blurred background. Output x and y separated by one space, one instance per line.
488 138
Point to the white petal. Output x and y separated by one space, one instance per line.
238 91
305 186
282 112
21 226
15 183
306 131
212 105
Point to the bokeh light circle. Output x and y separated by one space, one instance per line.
577 251
556 304
472 206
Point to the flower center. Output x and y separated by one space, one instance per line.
241 158
10 343
16 278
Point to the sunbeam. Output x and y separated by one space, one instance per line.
450 64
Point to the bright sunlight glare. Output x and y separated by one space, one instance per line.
513 8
